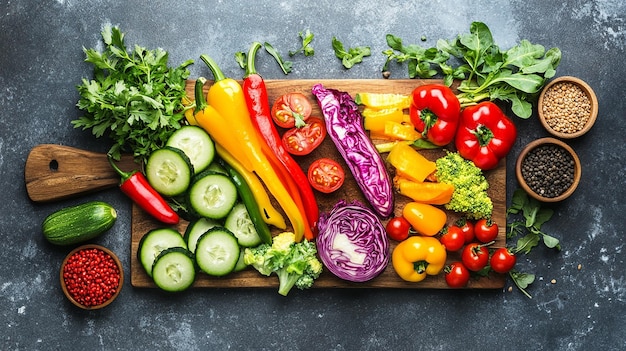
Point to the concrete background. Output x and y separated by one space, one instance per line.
41 62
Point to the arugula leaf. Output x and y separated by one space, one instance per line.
284 65
484 70
240 57
134 97
306 48
522 281
352 56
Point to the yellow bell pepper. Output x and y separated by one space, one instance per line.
416 257
271 216
189 110
433 193
409 163
226 96
425 219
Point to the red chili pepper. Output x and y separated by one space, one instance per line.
260 112
485 134
135 185
434 112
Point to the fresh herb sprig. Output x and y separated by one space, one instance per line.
484 70
134 97
351 56
306 48
525 218
285 65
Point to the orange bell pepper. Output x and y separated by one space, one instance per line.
426 219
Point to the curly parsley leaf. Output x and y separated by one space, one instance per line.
134 98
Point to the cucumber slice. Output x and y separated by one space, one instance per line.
169 171
212 195
217 252
156 241
239 223
174 269
195 230
196 143
240 265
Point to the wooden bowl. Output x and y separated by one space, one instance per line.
567 119
544 142
120 281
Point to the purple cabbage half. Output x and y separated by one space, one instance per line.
345 128
352 242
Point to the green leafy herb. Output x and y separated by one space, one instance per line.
240 57
352 56
486 72
305 48
284 65
525 217
134 97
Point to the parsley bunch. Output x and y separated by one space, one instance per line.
134 97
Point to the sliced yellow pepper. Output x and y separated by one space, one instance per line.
416 257
374 119
409 163
400 131
433 193
271 216
383 100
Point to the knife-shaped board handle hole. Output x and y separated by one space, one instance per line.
54 165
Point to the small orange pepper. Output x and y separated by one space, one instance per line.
409 163
426 219
433 193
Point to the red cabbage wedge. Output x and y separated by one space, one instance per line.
352 242
345 128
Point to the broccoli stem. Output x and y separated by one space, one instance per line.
286 281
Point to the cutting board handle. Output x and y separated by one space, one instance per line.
56 172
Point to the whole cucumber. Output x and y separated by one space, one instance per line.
79 223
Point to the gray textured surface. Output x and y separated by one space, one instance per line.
41 62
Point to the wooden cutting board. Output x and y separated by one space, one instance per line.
142 223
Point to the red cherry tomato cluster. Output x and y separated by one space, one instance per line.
472 240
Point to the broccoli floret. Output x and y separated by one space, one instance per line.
295 263
470 186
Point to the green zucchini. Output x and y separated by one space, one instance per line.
78 223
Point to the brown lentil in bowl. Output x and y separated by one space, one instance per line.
567 107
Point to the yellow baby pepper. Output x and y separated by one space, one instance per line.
426 219
416 257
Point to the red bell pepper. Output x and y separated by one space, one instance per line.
485 135
434 112
260 112
136 187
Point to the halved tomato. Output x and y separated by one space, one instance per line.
326 175
291 110
301 141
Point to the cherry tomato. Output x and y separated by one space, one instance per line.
502 260
475 256
467 227
398 228
301 141
485 230
456 274
326 175
291 110
452 238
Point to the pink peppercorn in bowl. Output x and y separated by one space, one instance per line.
548 169
91 276
567 107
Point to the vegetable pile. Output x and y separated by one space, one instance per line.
228 161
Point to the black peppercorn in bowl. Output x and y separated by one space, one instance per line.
567 107
91 276
548 170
